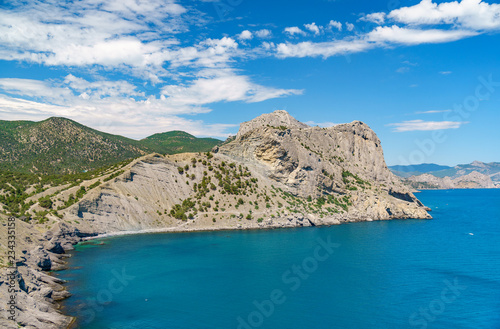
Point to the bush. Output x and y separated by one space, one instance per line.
45 202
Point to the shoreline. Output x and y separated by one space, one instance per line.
56 245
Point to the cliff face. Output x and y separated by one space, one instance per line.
277 172
313 161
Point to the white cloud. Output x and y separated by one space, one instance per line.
118 107
326 124
408 36
208 53
323 49
468 17
294 30
34 89
245 35
335 24
470 14
107 33
313 28
445 72
124 118
264 33
403 69
420 125
432 111
377 18
221 86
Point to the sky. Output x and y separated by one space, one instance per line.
424 75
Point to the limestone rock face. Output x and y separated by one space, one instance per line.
278 118
314 161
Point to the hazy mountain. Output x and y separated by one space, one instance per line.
407 171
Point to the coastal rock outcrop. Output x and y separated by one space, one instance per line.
471 180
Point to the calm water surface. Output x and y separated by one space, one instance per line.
440 273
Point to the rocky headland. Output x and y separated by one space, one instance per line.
276 172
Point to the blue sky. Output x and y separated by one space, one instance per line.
424 75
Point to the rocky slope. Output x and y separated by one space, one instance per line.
277 172
471 180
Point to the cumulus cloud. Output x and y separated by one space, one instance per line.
377 18
107 33
293 30
470 14
420 125
313 28
335 24
450 21
264 33
245 35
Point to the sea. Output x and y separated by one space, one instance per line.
439 273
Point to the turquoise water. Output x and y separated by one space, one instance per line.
440 273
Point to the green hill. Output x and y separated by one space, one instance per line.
62 146
178 142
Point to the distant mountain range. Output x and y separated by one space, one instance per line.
429 175
407 171
62 146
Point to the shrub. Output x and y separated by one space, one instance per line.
45 202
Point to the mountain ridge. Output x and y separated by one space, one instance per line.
59 145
